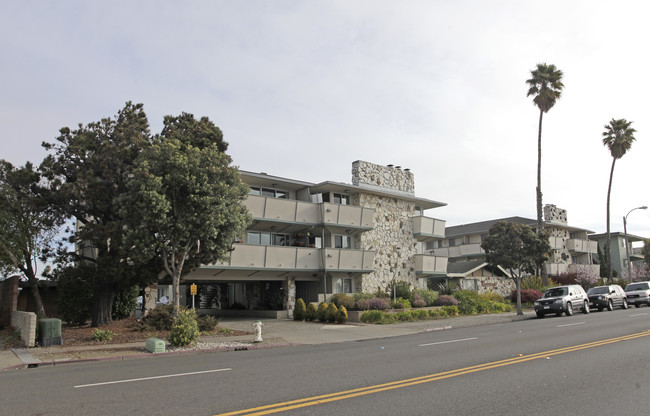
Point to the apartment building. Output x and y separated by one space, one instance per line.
312 240
462 246
618 250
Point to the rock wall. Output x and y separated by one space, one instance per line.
555 214
392 236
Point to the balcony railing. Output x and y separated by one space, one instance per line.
256 257
427 229
294 211
582 246
555 269
465 250
430 265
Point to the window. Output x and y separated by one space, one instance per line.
341 241
268 239
268 192
341 199
342 285
417 211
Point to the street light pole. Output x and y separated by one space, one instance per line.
627 244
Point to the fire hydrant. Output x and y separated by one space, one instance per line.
258 330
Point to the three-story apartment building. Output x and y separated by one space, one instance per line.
312 240
462 245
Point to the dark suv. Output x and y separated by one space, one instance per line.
602 297
562 299
638 293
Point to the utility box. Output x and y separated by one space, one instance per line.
155 345
49 332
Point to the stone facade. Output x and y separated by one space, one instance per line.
392 233
554 214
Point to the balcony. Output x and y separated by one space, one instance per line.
346 260
582 246
428 229
555 269
557 243
291 211
430 265
465 250
256 257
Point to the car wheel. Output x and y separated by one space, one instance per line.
624 303
585 307
540 314
569 309
610 305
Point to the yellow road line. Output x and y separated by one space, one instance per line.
347 394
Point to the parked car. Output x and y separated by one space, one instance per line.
561 299
638 293
609 297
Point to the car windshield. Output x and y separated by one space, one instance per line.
636 286
555 292
598 290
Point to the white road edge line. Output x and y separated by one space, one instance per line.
577 323
447 342
150 378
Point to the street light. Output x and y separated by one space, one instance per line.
627 244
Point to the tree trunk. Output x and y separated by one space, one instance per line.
102 307
33 284
540 220
608 241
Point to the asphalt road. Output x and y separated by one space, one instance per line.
585 365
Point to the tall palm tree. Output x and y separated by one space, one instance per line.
546 86
618 137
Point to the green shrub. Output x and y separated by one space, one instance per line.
429 296
342 315
312 312
401 303
374 316
420 314
74 293
341 299
448 287
300 310
102 335
401 289
405 316
361 296
491 297
468 302
450 310
160 319
321 312
437 313
125 302
207 323
331 313
185 329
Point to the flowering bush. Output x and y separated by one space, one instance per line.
586 276
527 295
418 302
185 329
446 300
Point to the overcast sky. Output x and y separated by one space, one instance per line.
301 89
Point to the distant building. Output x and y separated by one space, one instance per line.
462 246
618 253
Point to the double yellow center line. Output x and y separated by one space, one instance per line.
348 394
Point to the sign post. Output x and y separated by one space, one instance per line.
193 293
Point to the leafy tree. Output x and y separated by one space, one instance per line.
545 85
28 224
518 249
88 170
618 137
186 198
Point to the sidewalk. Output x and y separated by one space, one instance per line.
275 333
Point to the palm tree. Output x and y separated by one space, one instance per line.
546 86
618 137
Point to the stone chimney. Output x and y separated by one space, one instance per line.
392 177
